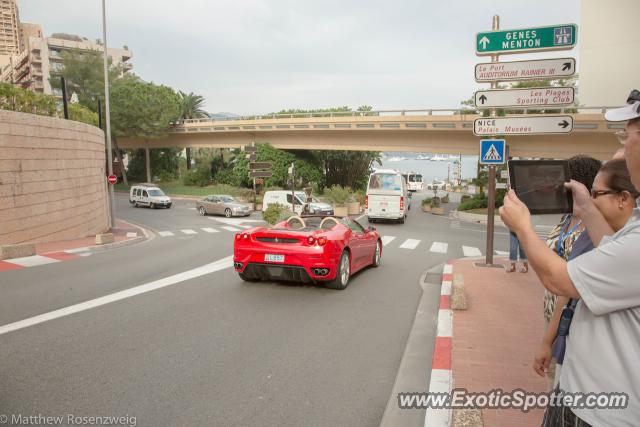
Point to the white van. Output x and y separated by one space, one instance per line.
148 195
387 196
414 181
284 198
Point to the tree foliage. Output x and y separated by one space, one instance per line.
14 98
191 106
141 109
348 168
84 75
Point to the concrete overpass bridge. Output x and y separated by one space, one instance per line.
434 131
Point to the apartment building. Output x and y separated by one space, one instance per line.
9 30
42 58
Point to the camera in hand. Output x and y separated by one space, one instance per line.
539 184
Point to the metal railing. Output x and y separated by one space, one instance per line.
394 113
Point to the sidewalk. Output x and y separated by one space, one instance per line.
495 339
67 250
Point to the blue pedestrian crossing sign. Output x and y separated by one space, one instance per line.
492 151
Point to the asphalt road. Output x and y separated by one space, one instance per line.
207 348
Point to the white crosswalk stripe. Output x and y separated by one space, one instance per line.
502 253
188 231
32 261
410 244
165 233
230 228
471 251
245 226
210 230
132 234
387 239
439 247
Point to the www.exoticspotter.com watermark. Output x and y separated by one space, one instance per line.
516 399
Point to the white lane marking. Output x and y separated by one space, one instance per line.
245 226
448 269
85 254
235 221
209 230
77 250
471 251
188 231
387 239
446 287
165 233
439 247
502 253
221 264
230 228
132 234
445 322
410 244
32 261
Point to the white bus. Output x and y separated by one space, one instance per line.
414 181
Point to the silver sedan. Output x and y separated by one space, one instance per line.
222 205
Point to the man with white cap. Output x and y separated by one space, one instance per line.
603 345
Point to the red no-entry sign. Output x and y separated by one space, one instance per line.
112 179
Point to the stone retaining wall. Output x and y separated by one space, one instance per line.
52 179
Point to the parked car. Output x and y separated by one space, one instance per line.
222 205
285 198
148 195
436 185
310 249
387 196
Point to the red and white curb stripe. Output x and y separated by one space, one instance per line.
441 376
47 258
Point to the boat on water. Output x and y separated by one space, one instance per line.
395 159
424 157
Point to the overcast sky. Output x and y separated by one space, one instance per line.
259 56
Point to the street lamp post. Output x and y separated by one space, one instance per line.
112 210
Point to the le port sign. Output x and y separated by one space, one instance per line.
487 72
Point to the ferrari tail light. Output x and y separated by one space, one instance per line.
311 240
245 236
322 241
366 202
401 203
238 236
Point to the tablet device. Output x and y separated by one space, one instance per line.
540 185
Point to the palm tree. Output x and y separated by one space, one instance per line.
191 108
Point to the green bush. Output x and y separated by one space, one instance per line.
199 176
275 213
465 197
245 194
338 195
426 201
479 201
435 202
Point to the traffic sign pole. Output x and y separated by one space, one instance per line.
491 198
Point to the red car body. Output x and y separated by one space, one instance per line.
308 249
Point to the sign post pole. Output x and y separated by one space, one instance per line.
491 184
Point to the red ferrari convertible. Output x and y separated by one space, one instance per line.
309 249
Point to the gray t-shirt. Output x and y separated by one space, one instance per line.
603 346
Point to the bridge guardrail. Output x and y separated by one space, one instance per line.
391 113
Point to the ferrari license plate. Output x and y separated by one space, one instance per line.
273 258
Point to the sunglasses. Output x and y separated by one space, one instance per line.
623 135
597 193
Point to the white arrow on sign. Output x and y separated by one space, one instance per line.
529 97
483 41
522 125
525 70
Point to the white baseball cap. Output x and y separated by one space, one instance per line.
628 112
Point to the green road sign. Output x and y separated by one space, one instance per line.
555 37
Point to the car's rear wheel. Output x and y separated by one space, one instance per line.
343 274
202 210
247 279
135 204
401 220
152 205
227 213
377 255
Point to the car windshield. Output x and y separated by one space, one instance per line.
156 192
385 181
226 199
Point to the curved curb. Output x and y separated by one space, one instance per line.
148 235
416 358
